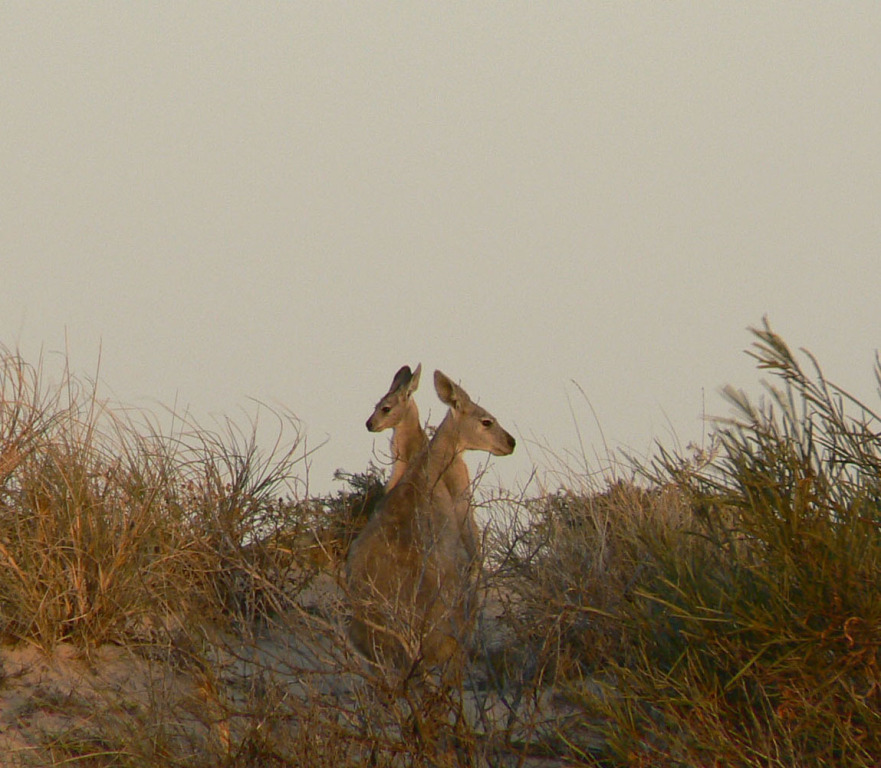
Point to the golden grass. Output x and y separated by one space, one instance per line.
166 599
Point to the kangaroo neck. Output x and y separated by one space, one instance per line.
456 477
408 438
444 452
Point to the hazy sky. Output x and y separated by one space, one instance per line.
288 201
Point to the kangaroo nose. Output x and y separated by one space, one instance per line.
370 424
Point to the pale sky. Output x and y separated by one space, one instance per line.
288 201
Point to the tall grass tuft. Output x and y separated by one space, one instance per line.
109 528
79 519
760 644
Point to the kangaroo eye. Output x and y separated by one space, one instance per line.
386 408
486 422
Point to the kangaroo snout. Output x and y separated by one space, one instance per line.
508 448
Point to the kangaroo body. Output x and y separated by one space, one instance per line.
408 571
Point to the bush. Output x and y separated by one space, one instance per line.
109 528
760 645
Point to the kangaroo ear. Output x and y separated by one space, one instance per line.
449 392
444 388
402 378
414 380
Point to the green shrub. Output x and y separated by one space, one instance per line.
760 645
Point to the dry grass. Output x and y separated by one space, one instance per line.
166 599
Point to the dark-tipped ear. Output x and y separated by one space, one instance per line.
414 380
402 379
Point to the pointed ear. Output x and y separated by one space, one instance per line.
402 378
444 387
449 392
414 380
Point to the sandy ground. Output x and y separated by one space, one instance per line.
70 702
47 700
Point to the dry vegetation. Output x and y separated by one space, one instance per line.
167 599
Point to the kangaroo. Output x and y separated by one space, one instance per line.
397 411
408 570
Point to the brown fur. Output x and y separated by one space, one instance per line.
408 570
396 410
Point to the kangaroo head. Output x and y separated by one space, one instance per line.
394 404
475 427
